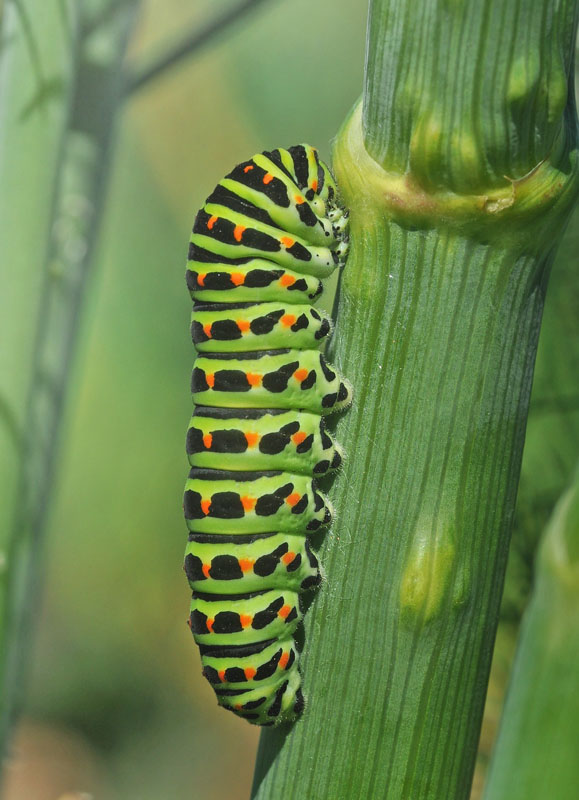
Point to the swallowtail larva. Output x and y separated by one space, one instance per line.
266 236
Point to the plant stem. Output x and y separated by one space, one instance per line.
65 257
535 754
438 320
37 68
465 93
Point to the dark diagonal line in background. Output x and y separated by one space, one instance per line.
191 42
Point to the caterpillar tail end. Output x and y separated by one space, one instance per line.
283 702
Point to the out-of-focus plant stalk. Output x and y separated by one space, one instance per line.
49 291
37 79
62 85
438 320
535 755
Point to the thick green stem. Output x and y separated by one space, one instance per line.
462 93
438 320
535 755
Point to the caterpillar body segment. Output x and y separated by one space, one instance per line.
261 439
273 560
237 236
253 502
266 236
245 619
238 327
269 379
247 666
253 280
284 699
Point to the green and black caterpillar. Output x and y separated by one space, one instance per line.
265 237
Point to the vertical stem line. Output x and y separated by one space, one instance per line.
37 81
76 213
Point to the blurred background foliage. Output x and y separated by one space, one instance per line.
116 706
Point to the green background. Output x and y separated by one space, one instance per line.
116 706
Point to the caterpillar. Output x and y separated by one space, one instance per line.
264 239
